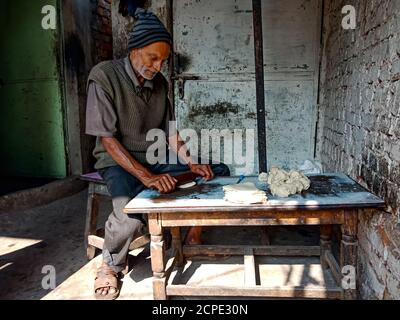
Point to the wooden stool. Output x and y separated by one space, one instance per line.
94 238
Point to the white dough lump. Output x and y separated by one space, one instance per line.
283 183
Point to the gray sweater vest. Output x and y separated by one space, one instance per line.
135 116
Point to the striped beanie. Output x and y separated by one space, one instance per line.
147 30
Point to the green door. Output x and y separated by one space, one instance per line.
31 109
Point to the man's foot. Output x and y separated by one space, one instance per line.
106 283
193 236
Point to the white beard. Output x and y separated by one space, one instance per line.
146 77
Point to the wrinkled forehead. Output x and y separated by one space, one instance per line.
159 49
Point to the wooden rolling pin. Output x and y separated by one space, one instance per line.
186 177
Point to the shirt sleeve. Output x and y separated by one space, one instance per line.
101 119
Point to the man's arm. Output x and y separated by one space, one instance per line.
179 147
164 183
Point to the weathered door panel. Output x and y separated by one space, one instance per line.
31 119
213 36
214 44
291 35
221 105
290 121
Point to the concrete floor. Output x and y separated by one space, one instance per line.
53 235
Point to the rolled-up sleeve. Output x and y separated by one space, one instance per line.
101 119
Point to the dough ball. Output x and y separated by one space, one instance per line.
263 177
280 189
277 175
285 183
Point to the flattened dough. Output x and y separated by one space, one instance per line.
187 185
244 193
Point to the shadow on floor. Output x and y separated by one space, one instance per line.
14 184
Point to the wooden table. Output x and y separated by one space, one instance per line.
332 199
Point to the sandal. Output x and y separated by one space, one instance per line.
106 278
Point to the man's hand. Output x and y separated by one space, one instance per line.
164 183
202 169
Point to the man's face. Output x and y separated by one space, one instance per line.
149 60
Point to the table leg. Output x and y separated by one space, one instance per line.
177 245
348 254
325 243
157 252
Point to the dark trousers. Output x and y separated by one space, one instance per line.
121 229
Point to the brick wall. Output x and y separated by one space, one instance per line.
359 128
102 30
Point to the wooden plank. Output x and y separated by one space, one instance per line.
270 292
249 268
303 251
198 250
298 214
140 242
334 266
98 242
248 222
148 206
299 217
